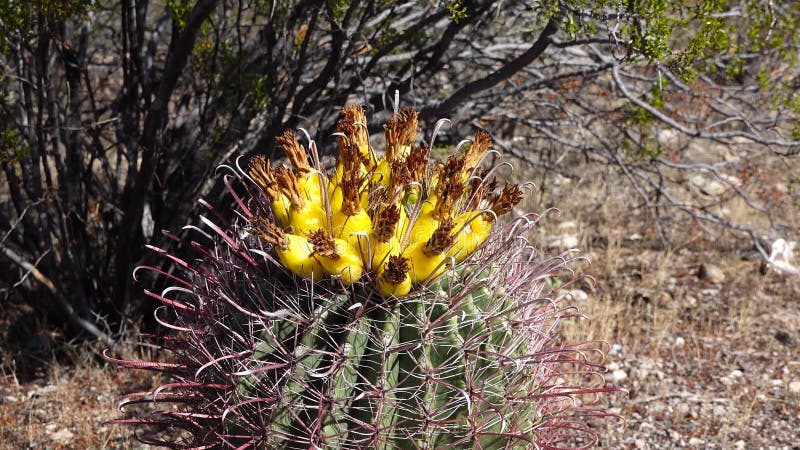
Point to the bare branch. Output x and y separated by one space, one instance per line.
497 76
63 302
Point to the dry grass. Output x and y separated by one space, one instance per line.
65 405
707 362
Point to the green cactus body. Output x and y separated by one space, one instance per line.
275 359
431 370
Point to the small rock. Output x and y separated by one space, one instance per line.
679 341
794 387
63 436
564 241
732 180
776 382
785 338
711 273
674 435
708 186
740 444
568 225
663 298
615 349
39 391
670 136
578 295
781 257
696 442
657 408
735 376
647 427
619 375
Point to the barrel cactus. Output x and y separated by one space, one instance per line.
379 305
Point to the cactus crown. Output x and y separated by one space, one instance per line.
380 306
409 201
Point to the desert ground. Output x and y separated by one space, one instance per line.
704 338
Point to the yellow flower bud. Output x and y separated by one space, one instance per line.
394 279
310 217
311 186
295 252
345 226
297 258
424 266
280 208
425 224
382 173
381 251
337 257
472 230
427 258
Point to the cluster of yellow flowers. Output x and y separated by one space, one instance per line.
401 217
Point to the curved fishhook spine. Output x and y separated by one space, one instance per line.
340 134
160 272
370 149
475 216
359 235
436 128
233 170
415 210
483 180
448 260
460 144
168 325
199 230
221 358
